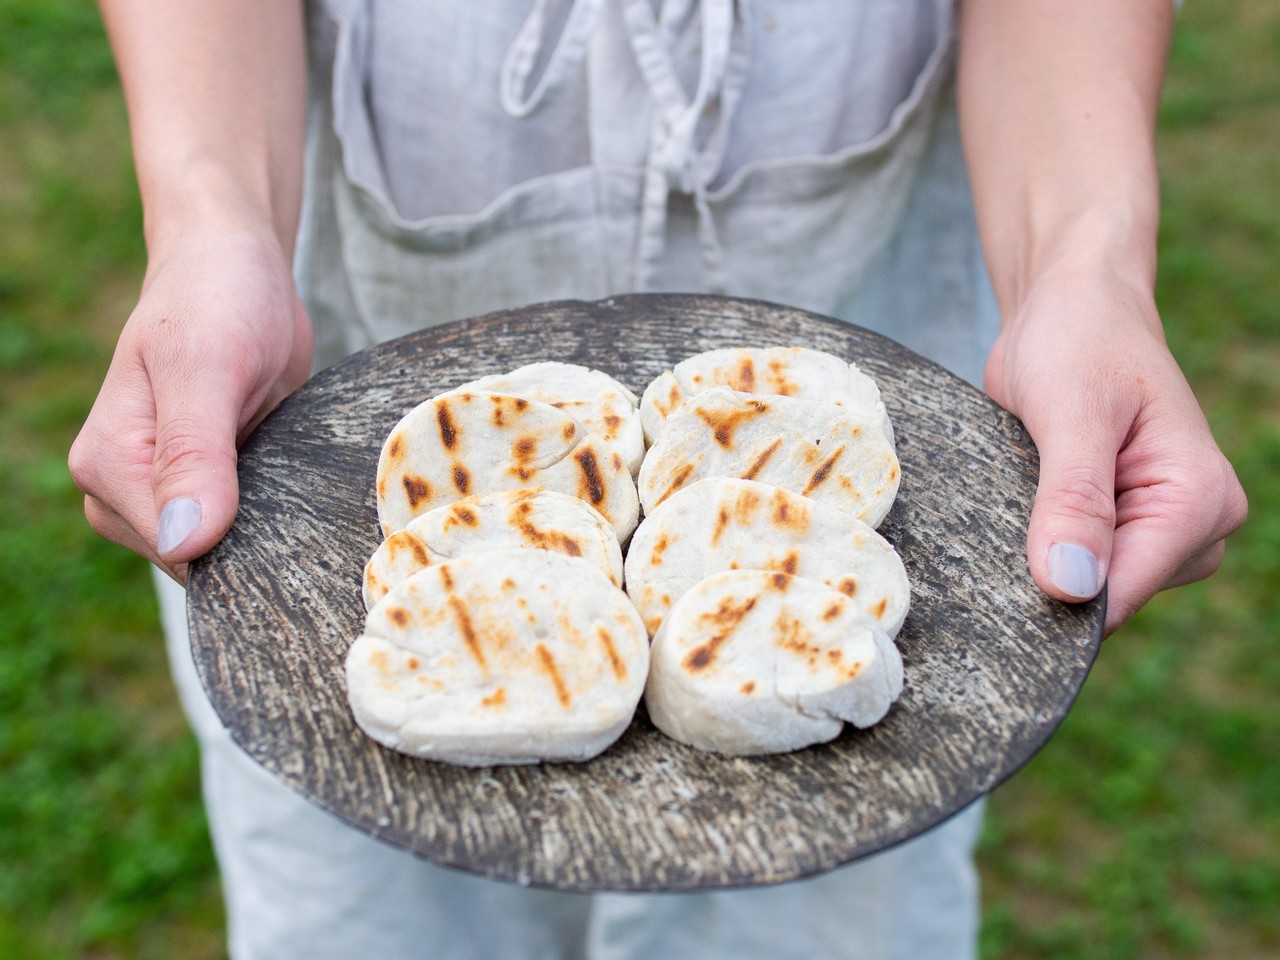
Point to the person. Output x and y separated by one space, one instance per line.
976 180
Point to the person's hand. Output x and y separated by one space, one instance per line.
218 338
1133 490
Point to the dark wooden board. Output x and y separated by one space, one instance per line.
992 665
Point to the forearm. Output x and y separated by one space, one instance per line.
216 97
1058 104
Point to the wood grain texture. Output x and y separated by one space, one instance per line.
992 665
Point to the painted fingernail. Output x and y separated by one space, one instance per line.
177 520
1074 570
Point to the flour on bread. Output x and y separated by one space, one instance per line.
505 657
725 524
533 518
596 400
785 371
751 662
471 441
818 450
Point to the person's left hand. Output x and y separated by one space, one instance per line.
1133 489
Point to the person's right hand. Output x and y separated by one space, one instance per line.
218 338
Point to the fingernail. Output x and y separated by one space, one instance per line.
177 520
1074 570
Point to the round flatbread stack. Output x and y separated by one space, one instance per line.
596 400
783 371
473 441
496 629
752 662
772 600
534 518
723 523
816 449
502 657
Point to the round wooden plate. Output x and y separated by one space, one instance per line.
992 665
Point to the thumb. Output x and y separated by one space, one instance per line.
194 472
1074 515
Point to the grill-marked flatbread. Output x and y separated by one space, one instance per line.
535 518
593 398
750 662
786 371
815 449
727 524
511 656
472 441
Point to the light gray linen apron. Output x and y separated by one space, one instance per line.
464 158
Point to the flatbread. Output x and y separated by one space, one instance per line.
593 398
786 371
815 449
534 518
726 524
750 662
472 441
506 657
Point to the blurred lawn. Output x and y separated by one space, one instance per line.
1148 828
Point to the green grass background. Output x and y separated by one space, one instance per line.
1148 828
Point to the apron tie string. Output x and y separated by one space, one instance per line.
677 161
684 154
570 51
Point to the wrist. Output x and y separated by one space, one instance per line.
1100 246
218 237
209 201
